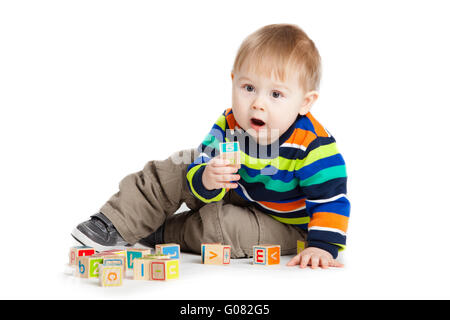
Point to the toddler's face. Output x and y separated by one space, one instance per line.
265 107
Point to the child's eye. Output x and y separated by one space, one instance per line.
276 94
248 87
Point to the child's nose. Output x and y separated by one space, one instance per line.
258 107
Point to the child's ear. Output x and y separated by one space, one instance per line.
308 102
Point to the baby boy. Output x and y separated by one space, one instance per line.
291 183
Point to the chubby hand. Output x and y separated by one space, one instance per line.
219 173
314 257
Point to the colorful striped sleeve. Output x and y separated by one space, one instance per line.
323 178
208 149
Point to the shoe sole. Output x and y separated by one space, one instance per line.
85 241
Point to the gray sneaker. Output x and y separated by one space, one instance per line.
99 233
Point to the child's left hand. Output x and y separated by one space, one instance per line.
314 257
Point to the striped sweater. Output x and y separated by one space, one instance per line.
299 180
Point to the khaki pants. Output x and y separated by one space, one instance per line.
148 198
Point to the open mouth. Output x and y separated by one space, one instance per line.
257 122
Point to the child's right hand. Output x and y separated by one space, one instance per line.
219 173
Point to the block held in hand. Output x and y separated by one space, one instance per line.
231 152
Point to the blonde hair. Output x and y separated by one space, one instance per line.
281 49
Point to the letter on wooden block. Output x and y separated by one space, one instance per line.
164 269
266 254
135 253
173 268
88 266
259 255
79 251
158 270
141 269
170 249
115 259
118 252
216 253
110 275
273 254
226 254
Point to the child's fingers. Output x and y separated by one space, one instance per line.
336 264
227 177
304 260
315 261
219 162
224 184
324 262
224 165
219 169
294 261
225 170
229 185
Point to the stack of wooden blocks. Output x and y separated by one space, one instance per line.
110 266
164 265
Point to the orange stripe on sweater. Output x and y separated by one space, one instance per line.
329 220
301 137
320 130
290 206
231 121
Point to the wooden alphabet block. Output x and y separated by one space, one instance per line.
170 249
88 266
79 251
133 253
141 270
115 259
231 152
266 254
110 275
119 252
164 269
216 253
300 246
142 266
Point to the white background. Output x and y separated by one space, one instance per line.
92 90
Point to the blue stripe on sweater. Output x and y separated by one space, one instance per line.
316 166
340 206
